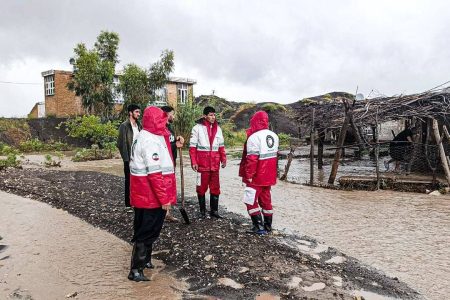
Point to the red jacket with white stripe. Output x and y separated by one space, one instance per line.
259 158
206 146
152 176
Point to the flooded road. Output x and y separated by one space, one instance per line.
50 254
406 235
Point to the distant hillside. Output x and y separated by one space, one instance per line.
283 117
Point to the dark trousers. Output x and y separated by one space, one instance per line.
126 171
147 227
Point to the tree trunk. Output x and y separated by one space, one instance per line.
320 149
441 151
337 155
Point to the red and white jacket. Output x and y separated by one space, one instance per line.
259 158
152 174
206 146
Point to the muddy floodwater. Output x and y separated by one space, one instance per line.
406 235
46 253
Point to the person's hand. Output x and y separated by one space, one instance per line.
224 164
166 207
195 168
180 141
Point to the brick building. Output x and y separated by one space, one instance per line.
61 102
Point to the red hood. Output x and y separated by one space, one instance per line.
259 121
155 121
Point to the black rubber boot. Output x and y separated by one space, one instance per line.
258 226
138 260
268 223
148 259
214 206
137 275
202 204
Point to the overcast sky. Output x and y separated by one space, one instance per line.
252 50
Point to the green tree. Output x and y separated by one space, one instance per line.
107 45
185 119
93 78
133 85
159 73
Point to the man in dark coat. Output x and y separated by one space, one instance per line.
128 132
175 143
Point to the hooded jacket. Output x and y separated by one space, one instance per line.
259 157
152 176
206 146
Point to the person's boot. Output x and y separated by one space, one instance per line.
138 262
202 204
268 223
258 226
148 259
214 206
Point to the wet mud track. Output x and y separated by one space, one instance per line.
216 257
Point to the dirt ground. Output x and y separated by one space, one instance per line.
217 258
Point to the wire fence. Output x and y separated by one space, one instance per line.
394 165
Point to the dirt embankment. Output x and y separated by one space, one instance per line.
217 258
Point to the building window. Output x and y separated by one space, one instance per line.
118 96
161 97
49 83
182 93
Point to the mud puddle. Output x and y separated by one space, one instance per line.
50 254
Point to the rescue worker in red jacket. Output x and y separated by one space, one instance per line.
207 152
258 170
152 187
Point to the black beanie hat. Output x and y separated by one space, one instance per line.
208 110
132 107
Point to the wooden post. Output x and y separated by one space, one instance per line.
320 148
340 143
311 154
288 164
377 150
444 162
358 138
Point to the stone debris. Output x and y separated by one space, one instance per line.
336 260
208 257
337 281
230 283
314 287
303 242
294 282
320 248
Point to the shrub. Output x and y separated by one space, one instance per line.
233 138
186 115
51 162
11 161
272 107
35 145
94 153
285 139
6 150
92 128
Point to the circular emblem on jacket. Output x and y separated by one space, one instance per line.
270 141
155 156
